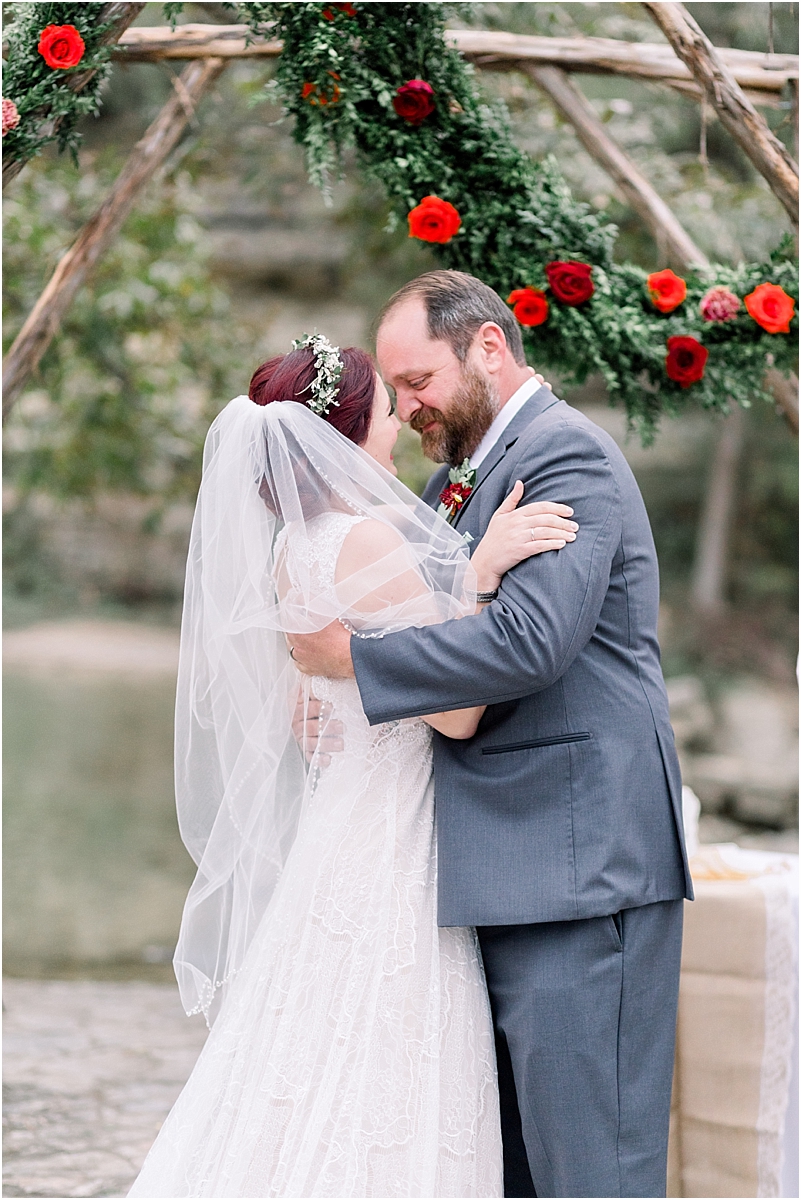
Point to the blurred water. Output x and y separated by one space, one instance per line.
95 872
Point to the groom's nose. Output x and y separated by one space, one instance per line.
406 403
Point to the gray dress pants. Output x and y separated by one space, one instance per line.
585 1022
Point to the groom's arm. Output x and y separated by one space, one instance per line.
547 610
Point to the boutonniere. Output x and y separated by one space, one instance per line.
451 498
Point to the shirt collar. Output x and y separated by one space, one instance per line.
505 417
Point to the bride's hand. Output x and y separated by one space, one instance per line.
517 533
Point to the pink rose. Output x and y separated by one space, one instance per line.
10 116
719 304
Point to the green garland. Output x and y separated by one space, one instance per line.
48 108
517 215
338 76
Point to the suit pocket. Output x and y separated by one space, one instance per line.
614 926
560 740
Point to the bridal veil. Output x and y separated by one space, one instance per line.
241 777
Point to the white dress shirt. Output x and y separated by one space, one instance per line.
505 417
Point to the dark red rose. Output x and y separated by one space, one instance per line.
570 281
454 495
686 360
414 101
348 9
530 305
61 46
434 220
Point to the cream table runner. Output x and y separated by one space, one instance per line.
734 1127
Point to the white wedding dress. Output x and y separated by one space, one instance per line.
353 1054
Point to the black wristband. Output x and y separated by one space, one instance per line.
486 597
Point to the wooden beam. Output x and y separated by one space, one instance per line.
644 60
121 16
101 229
723 91
642 197
152 43
763 75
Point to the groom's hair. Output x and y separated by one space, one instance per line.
457 305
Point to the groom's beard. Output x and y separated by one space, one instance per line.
472 409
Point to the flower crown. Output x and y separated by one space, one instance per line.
329 367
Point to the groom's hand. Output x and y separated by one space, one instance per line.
325 653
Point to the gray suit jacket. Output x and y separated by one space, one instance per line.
567 802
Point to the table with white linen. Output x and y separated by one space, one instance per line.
734 1124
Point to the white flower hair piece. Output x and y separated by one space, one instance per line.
329 367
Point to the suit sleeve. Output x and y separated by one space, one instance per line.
546 612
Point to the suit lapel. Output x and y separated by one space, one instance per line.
434 486
542 399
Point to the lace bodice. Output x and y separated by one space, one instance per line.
319 550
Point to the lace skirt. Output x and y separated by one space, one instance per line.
353 1054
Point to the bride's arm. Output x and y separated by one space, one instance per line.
512 535
515 534
369 542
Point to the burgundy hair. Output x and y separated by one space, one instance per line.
288 376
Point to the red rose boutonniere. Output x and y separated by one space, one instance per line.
451 498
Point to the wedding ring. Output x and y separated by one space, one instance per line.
533 535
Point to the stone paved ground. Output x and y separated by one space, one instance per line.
91 1070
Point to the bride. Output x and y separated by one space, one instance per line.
351 1051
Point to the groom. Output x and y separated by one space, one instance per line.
559 823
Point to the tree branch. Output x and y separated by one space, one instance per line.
785 393
708 587
101 229
723 91
642 197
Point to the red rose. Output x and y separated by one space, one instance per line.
667 290
10 116
61 46
348 9
530 305
454 495
570 281
771 307
414 101
685 361
314 95
433 220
